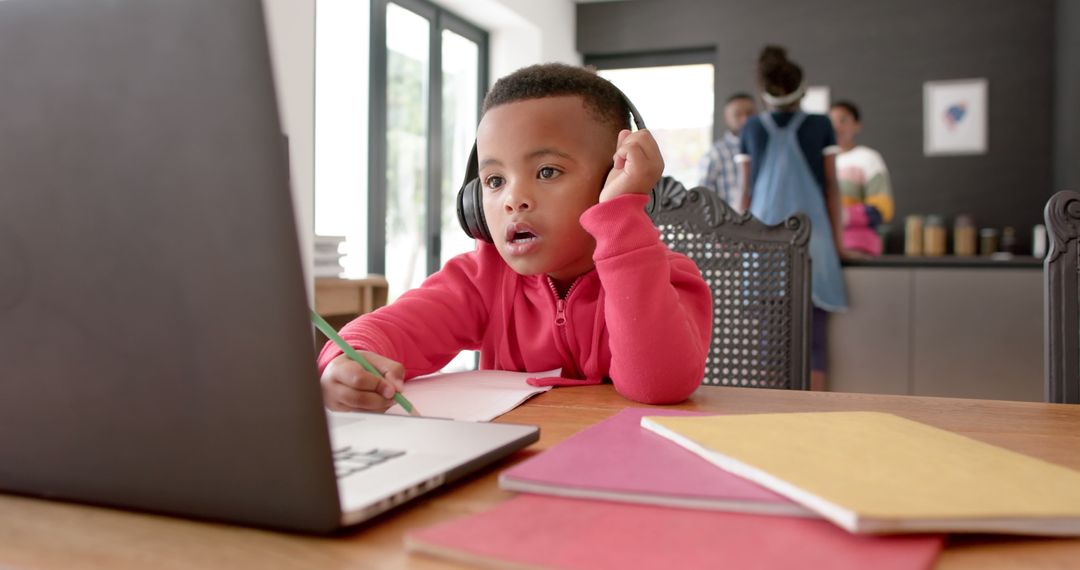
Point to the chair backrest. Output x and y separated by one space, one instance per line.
1062 293
760 280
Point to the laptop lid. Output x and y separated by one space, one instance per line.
155 351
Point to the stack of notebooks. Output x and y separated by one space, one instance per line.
328 256
651 487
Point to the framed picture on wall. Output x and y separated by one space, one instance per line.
955 117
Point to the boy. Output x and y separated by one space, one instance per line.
576 276
721 175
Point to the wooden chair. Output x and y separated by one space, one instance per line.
1061 311
760 279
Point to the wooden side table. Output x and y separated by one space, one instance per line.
336 297
342 300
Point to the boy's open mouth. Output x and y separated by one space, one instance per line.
520 233
521 239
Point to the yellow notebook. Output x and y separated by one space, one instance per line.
871 472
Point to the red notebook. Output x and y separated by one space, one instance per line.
552 532
618 460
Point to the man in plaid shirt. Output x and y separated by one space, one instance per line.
720 174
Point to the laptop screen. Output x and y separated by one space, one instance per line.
154 344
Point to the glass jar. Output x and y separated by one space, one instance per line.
913 235
1008 241
1038 241
964 238
934 236
988 241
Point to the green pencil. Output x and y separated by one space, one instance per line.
331 334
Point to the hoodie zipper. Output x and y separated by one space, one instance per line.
560 321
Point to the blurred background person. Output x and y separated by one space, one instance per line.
787 158
719 172
865 191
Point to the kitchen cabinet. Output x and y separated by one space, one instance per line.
971 330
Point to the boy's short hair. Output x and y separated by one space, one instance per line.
739 96
849 107
602 99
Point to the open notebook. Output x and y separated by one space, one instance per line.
475 395
873 472
618 460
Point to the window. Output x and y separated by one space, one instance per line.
342 84
428 77
398 88
674 93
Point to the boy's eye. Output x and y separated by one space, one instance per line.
493 182
547 173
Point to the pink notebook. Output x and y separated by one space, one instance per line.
618 460
552 532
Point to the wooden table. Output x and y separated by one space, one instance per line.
41 534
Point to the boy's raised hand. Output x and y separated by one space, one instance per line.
638 165
347 387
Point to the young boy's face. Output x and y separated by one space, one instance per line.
737 112
542 163
845 126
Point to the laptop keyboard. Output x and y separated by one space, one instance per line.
349 460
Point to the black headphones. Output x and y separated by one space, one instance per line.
470 198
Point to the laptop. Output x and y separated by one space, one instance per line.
155 348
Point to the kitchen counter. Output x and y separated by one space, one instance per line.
1009 262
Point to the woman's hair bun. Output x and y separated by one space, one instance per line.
772 55
776 73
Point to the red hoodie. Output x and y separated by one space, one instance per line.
641 317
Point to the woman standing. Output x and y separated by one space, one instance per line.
788 165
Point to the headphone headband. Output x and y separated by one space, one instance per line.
639 123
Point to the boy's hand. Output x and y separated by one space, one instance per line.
638 165
347 387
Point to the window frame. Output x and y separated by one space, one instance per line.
440 19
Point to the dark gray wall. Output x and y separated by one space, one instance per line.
1067 108
878 54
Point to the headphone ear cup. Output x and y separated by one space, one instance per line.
461 210
470 211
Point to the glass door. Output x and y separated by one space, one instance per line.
433 66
